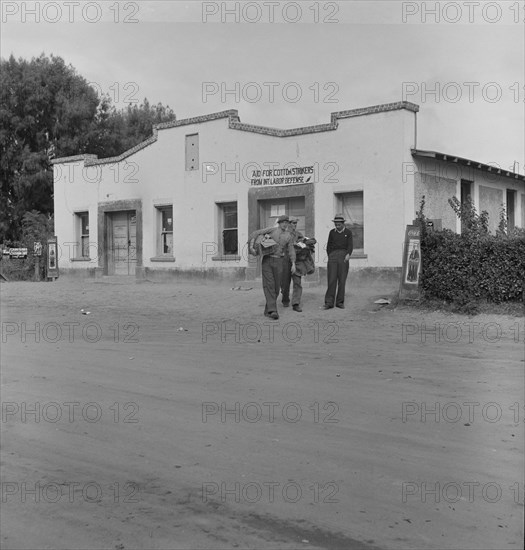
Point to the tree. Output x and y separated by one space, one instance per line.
48 111
116 131
472 223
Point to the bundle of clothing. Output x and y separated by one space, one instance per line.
263 245
304 256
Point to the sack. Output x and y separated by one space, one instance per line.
264 245
310 265
305 248
305 266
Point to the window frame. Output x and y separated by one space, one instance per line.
358 251
83 238
161 231
221 229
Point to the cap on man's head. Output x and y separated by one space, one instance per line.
339 218
283 218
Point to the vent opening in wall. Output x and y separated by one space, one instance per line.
192 152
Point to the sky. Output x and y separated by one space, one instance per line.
291 64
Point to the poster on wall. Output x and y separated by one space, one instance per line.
52 258
409 287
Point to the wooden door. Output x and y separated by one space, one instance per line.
123 243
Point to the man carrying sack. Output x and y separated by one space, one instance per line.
272 265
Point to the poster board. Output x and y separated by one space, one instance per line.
52 258
409 286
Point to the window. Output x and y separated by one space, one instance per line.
83 233
466 191
165 224
192 152
228 229
351 206
277 210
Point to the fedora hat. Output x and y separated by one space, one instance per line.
283 218
339 218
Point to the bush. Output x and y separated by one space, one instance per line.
474 266
20 269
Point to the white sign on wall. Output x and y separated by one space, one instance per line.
283 176
18 252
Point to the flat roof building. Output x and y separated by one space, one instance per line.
184 201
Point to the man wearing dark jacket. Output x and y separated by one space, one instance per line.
339 248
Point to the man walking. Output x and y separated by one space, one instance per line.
288 276
272 263
339 248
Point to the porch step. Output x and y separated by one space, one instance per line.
117 279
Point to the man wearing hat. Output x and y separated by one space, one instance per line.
273 264
339 248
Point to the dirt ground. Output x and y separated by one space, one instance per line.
176 416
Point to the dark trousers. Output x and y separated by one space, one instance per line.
272 272
337 273
288 277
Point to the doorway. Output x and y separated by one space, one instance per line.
510 210
271 209
122 242
466 197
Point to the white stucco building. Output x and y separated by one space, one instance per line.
184 201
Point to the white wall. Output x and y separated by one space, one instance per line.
367 151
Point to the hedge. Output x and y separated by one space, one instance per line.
22 269
475 265
458 268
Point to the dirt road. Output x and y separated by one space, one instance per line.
178 416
